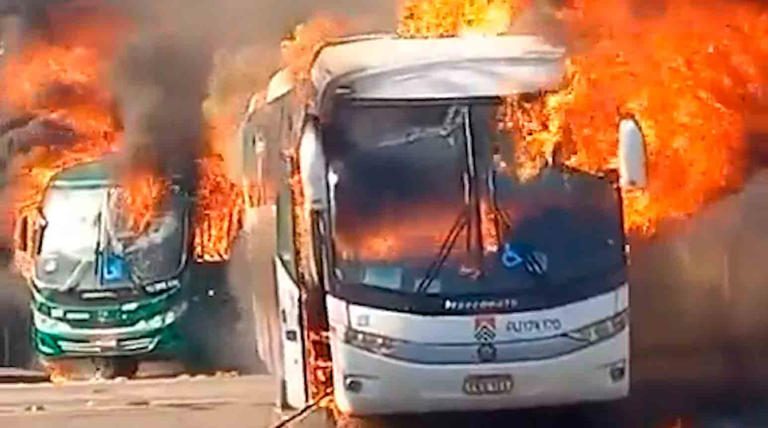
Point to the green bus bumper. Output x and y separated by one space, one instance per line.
163 343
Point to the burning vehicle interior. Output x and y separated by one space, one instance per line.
432 188
157 252
406 176
105 245
99 267
108 252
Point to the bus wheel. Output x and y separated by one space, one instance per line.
104 368
110 368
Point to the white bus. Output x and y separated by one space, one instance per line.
415 272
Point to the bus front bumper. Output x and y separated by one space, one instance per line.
162 343
368 384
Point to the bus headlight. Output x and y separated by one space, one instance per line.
48 324
602 329
167 318
371 342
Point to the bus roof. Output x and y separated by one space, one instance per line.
88 174
388 67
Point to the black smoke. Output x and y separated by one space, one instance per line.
159 82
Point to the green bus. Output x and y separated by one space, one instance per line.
102 293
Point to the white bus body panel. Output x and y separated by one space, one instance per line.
462 67
292 339
396 386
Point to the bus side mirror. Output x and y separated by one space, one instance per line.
632 155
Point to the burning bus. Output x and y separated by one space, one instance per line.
417 268
106 291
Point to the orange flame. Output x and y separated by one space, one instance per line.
60 372
396 235
62 85
220 205
65 85
219 212
298 54
688 75
321 369
142 193
298 50
318 363
445 18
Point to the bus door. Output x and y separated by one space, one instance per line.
290 303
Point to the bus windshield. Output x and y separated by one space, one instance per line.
68 244
156 253
86 245
402 188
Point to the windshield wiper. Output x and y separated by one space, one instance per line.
453 120
445 250
77 275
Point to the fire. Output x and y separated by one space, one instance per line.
319 366
298 53
219 212
395 236
65 85
488 228
321 374
298 50
221 201
220 205
445 18
60 373
62 86
142 194
690 75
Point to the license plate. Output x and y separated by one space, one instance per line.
488 384
106 343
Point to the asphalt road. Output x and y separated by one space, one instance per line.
169 403
700 342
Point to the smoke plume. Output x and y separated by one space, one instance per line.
160 84
191 66
216 50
